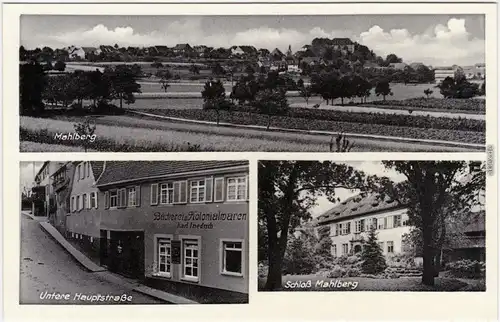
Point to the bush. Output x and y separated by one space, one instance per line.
353 272
337 271
467 268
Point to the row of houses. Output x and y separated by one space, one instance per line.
180 226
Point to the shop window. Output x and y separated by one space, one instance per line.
219 189
164 257
236 189
166 193
232 257
197 192
113 198
390 247
190 263
131 197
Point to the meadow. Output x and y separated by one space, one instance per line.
131 134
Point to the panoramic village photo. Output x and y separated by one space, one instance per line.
359 83
371 226
134 232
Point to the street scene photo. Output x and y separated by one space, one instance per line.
338 83
372 226
134 232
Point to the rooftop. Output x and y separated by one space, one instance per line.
126 171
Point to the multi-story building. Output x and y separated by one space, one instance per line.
348 224
174 224
440 73
43 186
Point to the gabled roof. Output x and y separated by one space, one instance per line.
127 171
357 206
89 49
277 52
182 46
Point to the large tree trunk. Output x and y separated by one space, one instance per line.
274 276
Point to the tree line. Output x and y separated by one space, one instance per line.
38 89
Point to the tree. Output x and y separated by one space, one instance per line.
483 88
287 190
60 66
217 69
458 87
214 97
383 88
392 58
305 92
432 192
249 70
157 64
373 259
165 76
85 129
428 92
271 102
123 83
194 69
345 89
32 82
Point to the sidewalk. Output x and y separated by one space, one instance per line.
109 276
28 214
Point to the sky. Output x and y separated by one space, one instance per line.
431 39
370 168
27 174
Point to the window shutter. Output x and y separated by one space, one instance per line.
177 192
208 189
385 222
154 194
106 200
183 192
248 187
137 196
219 190
89 203
122 197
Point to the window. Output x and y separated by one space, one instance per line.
166 193
88 169
348 228
374 223
334 250
345 249
397 221
336 229
113 198
236 188
197 191
164 257
77 203
390 247
131 197
84 201
93 200
190 263
80 171
72 204
232 257
362 225
219 190
358 226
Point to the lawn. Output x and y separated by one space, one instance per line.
134 134
412 284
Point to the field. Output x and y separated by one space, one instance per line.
363 123
132 134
